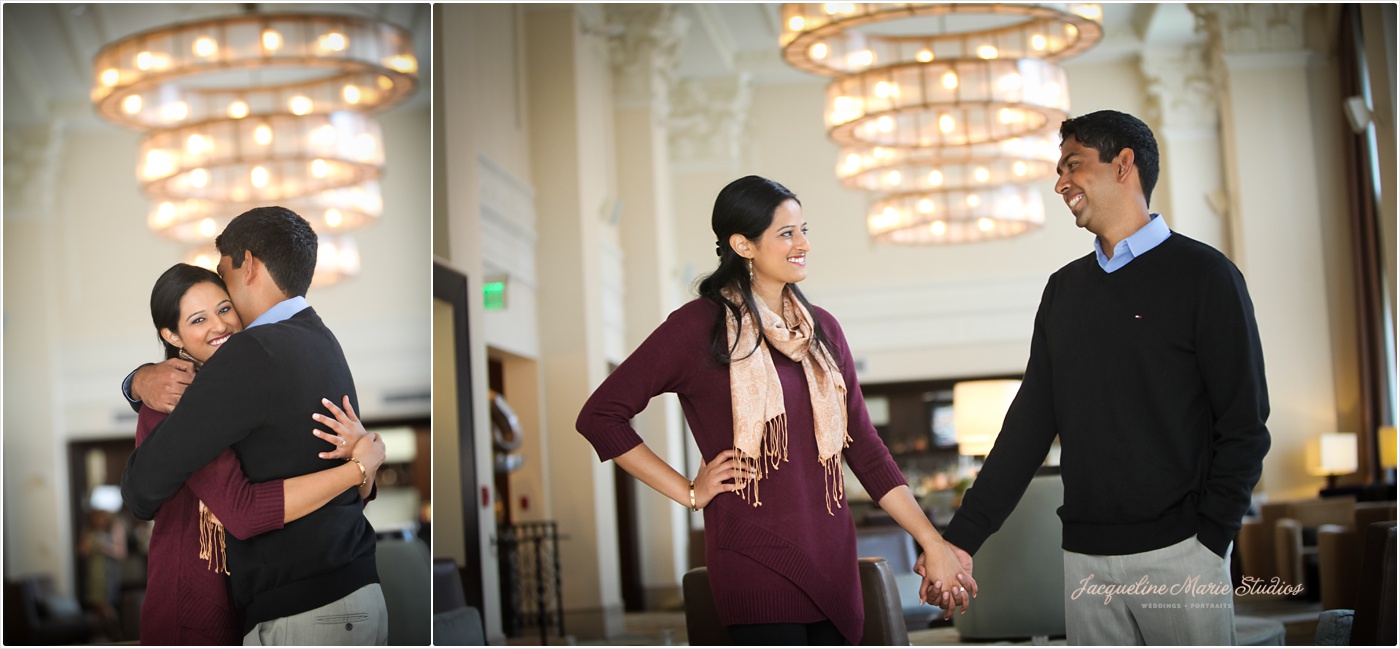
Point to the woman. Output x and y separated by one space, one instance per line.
774 406
187 592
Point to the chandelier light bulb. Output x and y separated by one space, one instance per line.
332 42
935 178
861 59
206 261
924 56
143 61
987 52
885 124
1038 42
199 178
1019 168
205 47
973 200
982 175
985 224
238 109
175 111
886 90
333 218
950 80
938 228
404 63
946 123
132 104
796 23
893 178
271 40
351 94
196 144
1091 11
165 214
262 135
819 51
110 77
319 168
208 228
300 105
926 206
258 177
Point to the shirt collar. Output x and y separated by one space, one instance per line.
280 311
1147 237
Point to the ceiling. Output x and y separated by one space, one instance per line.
49 47
724 39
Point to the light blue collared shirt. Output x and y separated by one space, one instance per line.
290 307
1146 238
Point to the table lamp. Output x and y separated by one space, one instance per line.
979 407
1331 455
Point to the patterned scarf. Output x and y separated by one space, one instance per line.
211 532
760 417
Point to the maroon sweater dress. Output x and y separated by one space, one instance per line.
787 560
187 602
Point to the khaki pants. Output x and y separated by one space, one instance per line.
358 619
1177 595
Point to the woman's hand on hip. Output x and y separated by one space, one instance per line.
716 477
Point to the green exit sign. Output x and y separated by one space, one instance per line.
495 293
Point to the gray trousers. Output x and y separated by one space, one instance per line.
354 620
1177 595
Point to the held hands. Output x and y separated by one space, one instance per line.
350 437
161 385
947 573
717 477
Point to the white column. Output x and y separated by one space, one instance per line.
1279 135
1186 117
569 98
644 58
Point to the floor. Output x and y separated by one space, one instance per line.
667 628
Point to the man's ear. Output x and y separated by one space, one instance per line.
252 267
1123 164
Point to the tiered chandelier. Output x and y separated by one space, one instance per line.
944 111
259 109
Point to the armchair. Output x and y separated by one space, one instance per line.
1339 551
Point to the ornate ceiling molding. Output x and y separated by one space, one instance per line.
1181 93
644 54
709 118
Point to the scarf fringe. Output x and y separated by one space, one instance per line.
773 451
210 532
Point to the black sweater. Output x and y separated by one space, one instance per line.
257 395
1153 378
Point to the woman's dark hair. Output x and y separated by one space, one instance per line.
745 206
166 294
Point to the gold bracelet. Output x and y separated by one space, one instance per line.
692 497
364 476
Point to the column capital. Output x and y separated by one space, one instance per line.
1234 28
1180 89
644 56
33 158
708 120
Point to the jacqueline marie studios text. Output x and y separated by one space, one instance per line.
1192 586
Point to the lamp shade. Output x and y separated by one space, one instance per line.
1387 444
1332 454
979 407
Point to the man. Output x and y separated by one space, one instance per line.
314 581
1146 362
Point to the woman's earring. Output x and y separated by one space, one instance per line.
750 271
186 355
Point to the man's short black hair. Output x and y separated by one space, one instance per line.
282 240
1110 131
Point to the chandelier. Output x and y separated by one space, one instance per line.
944 111
259 109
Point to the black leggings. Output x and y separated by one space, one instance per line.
822 633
